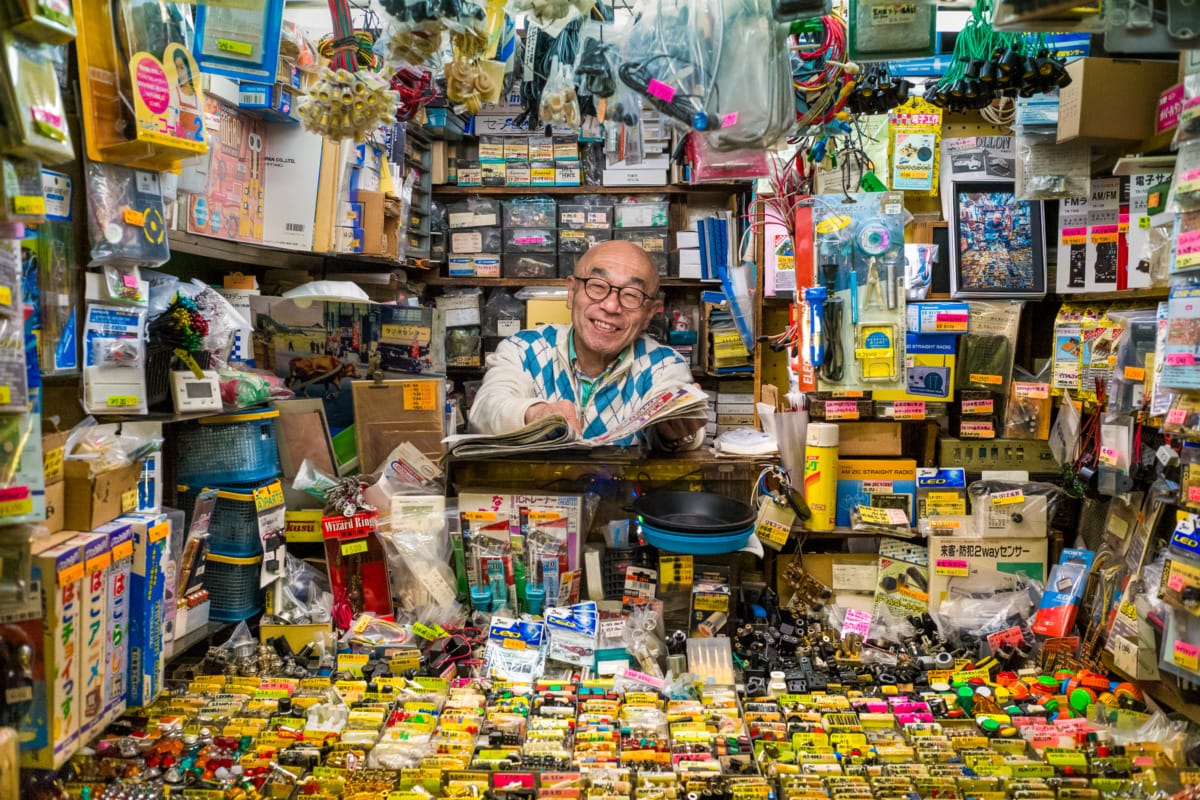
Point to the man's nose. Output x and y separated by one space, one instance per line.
612 303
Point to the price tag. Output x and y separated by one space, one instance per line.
514 644
420 395
1135 373
979 377
1177 416
658 89
986 406
841 409
129 501
16 501
1010 498
135 218
235 47
29 205
350 548
1108 456
352 663
955 567
676 570
908 410
873 515
121 401
1187 656
774 526
729 119
424 631
1032 391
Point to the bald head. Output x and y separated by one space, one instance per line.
620 256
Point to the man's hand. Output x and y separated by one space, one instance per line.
673 431
560 408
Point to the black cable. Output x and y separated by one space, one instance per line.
833 366
680 107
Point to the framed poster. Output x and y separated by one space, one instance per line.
997 247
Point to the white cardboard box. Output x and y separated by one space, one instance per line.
962 566
293 168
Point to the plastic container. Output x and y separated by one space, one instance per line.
642 214
530 212
652 240
228 449
233 529
232 585
530 240
580 241
475 240
530 265
700 544
474 212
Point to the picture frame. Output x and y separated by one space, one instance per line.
997 243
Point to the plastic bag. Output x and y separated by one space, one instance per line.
104 448
503 314
1185 185
559 103
551 16
1047 170
417 548
242 387
974 611
125 216
305 595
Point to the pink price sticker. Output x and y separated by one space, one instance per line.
11 493
529 240
1177 416
729 120
1180 360
841 409
1176 583
978 406
1194 494
130 281
1187 655
908 409
856 622
658 89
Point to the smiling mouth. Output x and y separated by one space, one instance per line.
604 326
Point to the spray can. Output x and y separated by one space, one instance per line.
821 474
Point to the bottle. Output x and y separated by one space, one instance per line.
820 474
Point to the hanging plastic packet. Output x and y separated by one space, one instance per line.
21 198
125 216
914 134
1047 170
559 104
1185 186
32 104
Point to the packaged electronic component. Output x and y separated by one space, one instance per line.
36 120
941 492
48 21
114 378
529 212
1027 415
240 43
21 198
125 217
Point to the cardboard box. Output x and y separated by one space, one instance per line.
333 165
93 501
1088 108
546 311
374 239
868 481
409 410
842 572
50 730
294 161
93 678
858 439
963 565
56 501
146 657
120 542
298 636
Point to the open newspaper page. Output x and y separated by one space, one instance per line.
553 433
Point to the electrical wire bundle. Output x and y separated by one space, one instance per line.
877 91
821 75
990 65
350 99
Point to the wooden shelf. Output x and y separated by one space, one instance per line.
452 189
1135 295
267 256
469 280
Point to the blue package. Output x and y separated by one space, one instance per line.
239 43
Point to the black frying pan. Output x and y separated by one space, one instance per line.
694 512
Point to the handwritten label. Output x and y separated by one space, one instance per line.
121 401
985 406
841 409
1180 360
882 516
29 206
951 323
1031 391
976 430
420 395
1177 416
908 410
235 47
658 89
129 501
1010 498
1135 373
1109 456
955 567
1187 656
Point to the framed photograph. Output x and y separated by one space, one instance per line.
997 243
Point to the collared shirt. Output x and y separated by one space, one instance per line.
587 383
538 366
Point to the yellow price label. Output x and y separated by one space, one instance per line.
16 508
52 463
121 401
350 548
1135 373
29 205
135 218
235 47
129 501
1010 498
6 298
995 380
420 396
5 394
266 497
1143 222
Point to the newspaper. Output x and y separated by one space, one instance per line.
554 433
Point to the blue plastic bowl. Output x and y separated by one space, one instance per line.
698 544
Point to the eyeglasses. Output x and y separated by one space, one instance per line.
597 289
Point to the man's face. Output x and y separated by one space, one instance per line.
603 328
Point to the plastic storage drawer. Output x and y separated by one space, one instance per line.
233 529
232 585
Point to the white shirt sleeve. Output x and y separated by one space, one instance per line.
506 394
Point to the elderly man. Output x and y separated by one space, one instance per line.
596 371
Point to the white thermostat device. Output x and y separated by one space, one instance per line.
194 394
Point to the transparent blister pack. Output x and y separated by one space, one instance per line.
1047 170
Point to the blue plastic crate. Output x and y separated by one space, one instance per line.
233 528
232 585
231 448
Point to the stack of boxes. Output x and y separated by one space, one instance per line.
474 241
582 222
644 221
735 405
686 255
520 160
530 238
